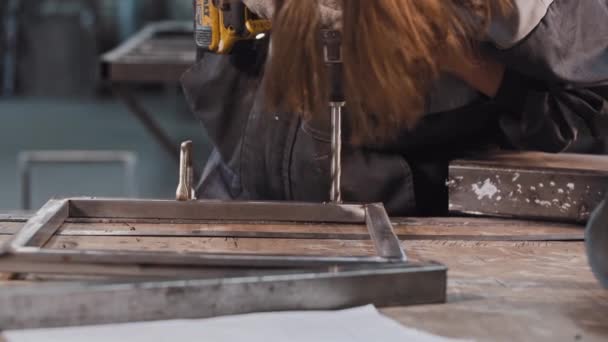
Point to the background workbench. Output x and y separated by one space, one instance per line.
508 280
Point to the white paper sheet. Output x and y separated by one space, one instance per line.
353 325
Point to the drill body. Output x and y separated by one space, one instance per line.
221 24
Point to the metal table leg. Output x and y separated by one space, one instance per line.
153 127
10 49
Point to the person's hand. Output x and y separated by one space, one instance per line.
330 10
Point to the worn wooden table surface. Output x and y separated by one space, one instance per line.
508 280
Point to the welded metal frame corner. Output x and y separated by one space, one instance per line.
25 248
41 227
382 234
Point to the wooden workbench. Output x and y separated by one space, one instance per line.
508 280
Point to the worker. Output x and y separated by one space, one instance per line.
539 81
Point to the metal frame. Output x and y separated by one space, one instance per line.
24 253
86 304
27 159
205 285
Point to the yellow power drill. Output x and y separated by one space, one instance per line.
220 24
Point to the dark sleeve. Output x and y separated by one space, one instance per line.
221 89
554 89
553 119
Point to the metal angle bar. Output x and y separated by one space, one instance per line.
578 236
41 227
505 238
32 254
209 210
381 231
82 304
116 272
20 267
220 233
83 232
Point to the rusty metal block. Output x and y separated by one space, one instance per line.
530 185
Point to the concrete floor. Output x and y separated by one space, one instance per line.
91 124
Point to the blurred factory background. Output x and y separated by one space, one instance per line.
53 98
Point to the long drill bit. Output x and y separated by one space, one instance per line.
336 148
333 58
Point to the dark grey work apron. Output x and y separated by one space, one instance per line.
276 156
